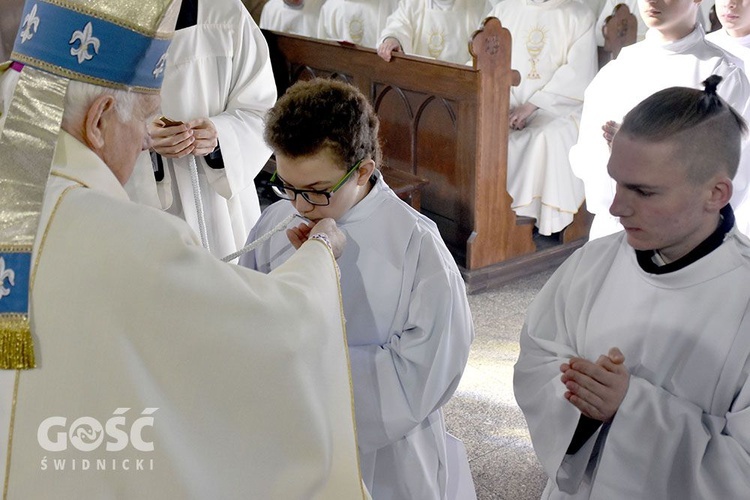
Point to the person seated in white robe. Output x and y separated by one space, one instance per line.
609 5
354 21
219 82
138 365
555 52
440 29
674 52
299 17
734 35
408 321
634 366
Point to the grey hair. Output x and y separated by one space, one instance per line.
80 95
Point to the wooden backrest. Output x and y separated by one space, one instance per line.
445 122
620 29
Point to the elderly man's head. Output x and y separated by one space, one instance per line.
111 122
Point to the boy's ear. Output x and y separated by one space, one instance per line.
364 172
721 193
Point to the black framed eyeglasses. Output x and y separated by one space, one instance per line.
312 196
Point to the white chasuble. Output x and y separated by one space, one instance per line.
220 69
683 429
639 71
431 32
409 329
278 16
555 53
165 373
355 21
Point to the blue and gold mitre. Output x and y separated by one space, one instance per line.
121 44
110 43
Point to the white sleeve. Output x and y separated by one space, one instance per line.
240 125
563 93
695 454
399 384
546 343
399 26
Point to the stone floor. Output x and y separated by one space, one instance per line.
483 412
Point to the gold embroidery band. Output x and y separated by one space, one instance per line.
27 145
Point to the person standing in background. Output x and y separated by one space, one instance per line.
299 17
218 85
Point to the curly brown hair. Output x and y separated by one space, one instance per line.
324 114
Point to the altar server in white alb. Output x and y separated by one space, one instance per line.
218 81
408 322
355 21
734 35
133 363
704 7
299 17
555 52
674 53
440 29
634 369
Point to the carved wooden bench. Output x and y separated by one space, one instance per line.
447 124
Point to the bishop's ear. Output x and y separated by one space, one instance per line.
98 118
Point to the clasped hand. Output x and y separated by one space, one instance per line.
197 137
519 116
596 389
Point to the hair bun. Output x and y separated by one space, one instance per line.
711 83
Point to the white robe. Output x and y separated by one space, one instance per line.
555 52
409 330
355 21
248 373
278 16
683 429
639 71
440 34
737 46
218 69
609 6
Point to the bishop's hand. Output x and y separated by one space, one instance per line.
326 227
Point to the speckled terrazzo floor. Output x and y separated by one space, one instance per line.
483 412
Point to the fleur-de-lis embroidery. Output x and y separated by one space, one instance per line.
86 39
5 274
30 21
159 69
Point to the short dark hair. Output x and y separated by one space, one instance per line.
709 131
324 114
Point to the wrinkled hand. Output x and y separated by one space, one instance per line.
300 234
388 47
205 134
610 129
597 389
519 116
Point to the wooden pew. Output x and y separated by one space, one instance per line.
620 29
446 123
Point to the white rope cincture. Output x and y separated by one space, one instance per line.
198 201
255 244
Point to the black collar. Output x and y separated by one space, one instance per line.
714 241
188 15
